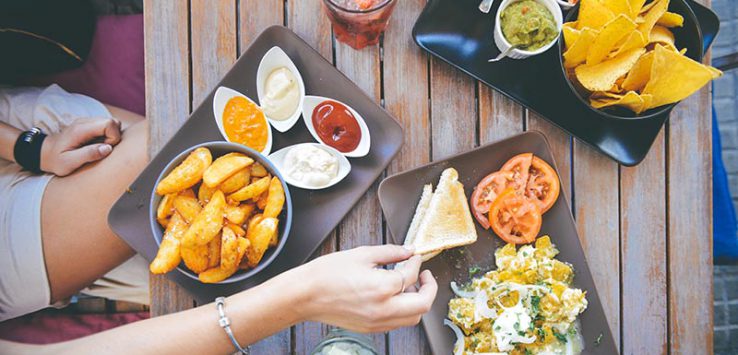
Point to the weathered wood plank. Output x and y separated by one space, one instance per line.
690 226
167 75
643 241
453 110
306 18
213 27
597 213
363 225
254 17
406 98
561 147
499 117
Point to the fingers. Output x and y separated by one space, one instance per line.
85 130
86 154
385 254
415 303
409 270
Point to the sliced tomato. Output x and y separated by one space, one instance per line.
485 193
519 166
515 218
543 184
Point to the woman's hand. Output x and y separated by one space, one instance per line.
85 140
349 289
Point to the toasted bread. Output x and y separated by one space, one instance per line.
442 219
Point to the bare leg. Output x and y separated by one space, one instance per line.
127 118
79 247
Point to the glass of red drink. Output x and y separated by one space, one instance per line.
359 23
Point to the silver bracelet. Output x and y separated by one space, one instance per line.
225 323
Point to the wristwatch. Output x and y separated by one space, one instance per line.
27 150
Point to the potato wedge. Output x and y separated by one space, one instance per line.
251 191
187 206
186 174
208 222
258 170
254 221
196 258
205 193
188 193
214 251
261 201
228 249
237 214
275 237
166 207
219 274
237 230
236 181
168 256
275 199
260 235
224 167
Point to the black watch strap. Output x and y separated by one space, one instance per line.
27 151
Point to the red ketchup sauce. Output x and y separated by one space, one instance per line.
336 126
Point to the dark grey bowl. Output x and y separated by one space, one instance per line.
218 149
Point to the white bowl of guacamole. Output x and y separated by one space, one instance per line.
533 25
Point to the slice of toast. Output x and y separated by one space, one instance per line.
442 219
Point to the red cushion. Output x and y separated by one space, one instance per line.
114 71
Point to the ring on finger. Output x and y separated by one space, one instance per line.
402 278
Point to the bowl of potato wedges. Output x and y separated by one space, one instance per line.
220 213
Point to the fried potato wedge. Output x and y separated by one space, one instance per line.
260 235
261 202
251 191
196 258
275 199
214 251
205 193
258 170
208 222
165 208
237 214
168 256
236 181
218 274
229 249
237 229
186 174
224 167
187 206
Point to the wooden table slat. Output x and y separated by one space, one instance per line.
560 142
453 110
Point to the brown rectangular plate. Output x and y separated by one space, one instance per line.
316 213
399 195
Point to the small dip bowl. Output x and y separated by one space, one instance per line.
273 59
309 105
221 98
278 158
502 43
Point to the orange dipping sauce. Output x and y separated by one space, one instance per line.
245 123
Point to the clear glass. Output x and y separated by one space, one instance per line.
342 341
355 27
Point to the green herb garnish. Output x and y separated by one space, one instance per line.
559 336
598 340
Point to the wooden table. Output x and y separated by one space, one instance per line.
647 230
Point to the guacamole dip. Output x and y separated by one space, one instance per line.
528 24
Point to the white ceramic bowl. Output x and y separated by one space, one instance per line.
309 105
221 98
503 44
565 4
273 59
344 167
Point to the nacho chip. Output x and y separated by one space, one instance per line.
577 53
614 31
631 100
635 7
601 76
670 19
618 7
571 34
639 74
674 77
647 7
654 13
593 14
662 35
633 41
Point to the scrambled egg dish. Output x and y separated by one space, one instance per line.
526 306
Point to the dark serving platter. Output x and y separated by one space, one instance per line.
315 212
399 195
459 34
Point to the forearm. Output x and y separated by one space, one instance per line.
255 314
8 136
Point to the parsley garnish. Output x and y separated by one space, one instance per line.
535 304
598 340
528 352
559 336
474 270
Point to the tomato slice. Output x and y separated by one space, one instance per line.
519 166
543 184
515 218
485 193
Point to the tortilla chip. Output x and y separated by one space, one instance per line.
577 53
631 100
674 77
610 35
639 75
670 19
593 14
601 76
571 34
618 7
635 7
662 35
649 18
633 41
647 7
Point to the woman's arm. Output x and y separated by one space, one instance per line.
8 136
346 289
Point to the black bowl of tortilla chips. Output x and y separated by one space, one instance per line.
632 64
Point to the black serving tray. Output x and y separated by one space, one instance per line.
315 212
459 34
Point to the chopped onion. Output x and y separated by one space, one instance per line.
461 293
481 307
460 342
